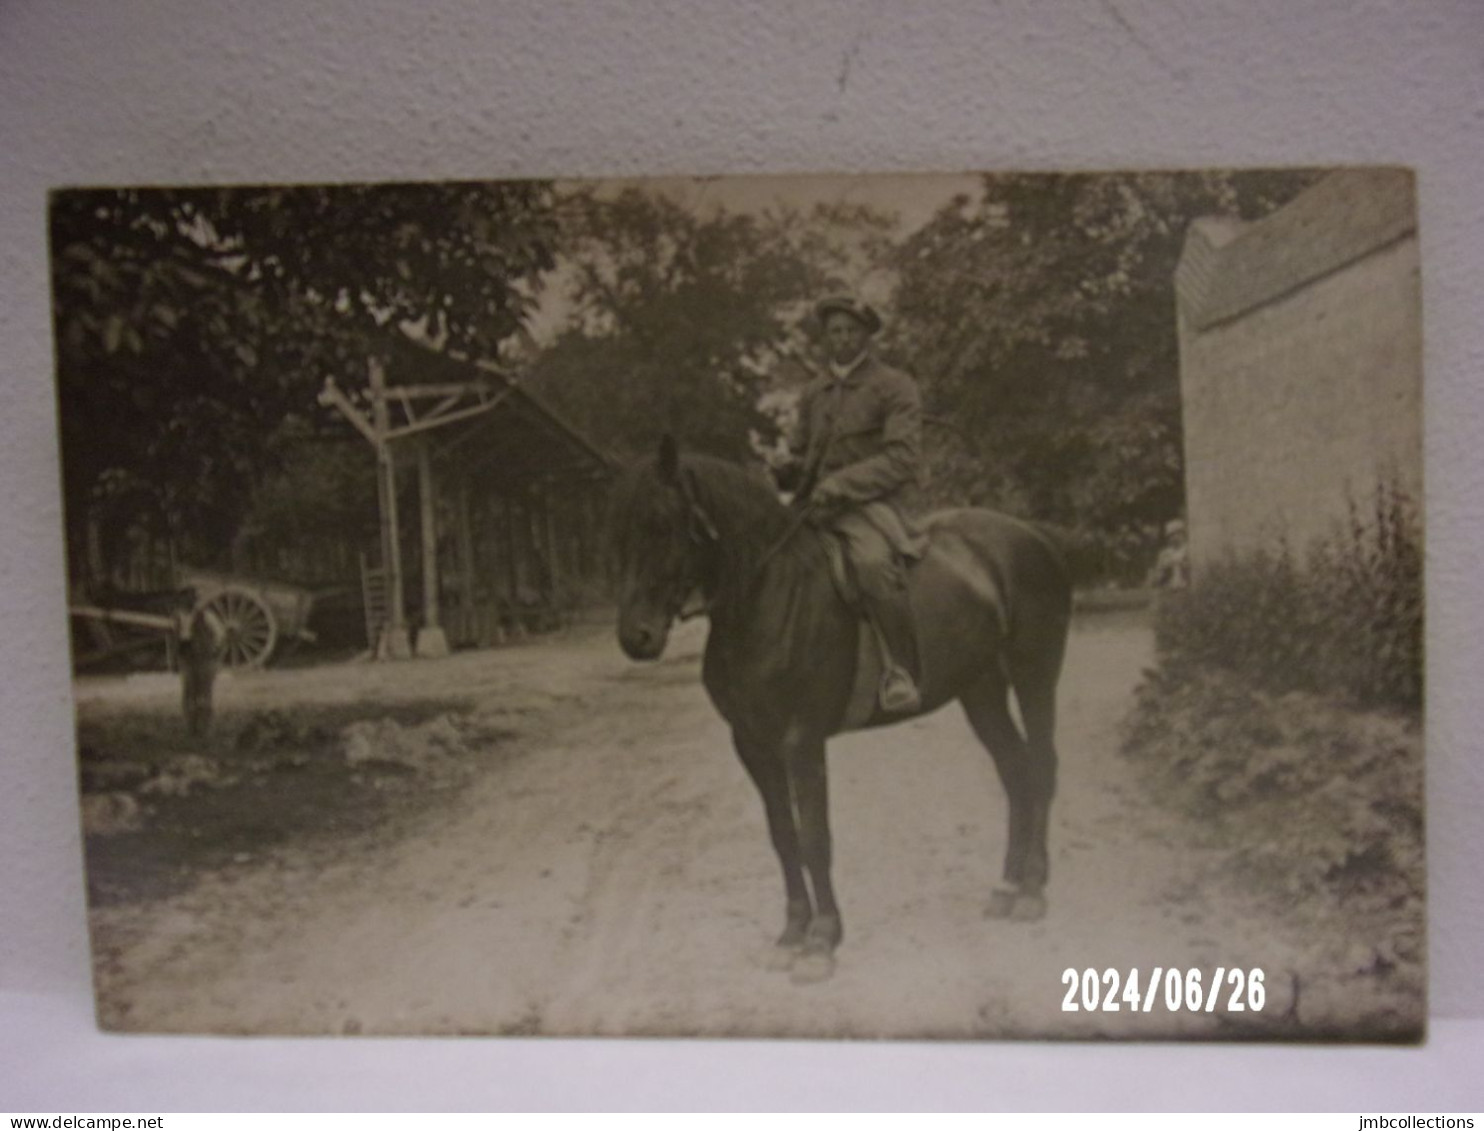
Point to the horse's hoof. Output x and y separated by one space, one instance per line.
1029 907
1001 904
781 958
811 966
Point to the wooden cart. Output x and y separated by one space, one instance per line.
253 619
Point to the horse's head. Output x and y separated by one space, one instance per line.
662 540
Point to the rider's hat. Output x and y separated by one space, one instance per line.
848 304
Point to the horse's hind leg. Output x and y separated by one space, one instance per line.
805 759
1027 788
764 764
1035 668
1035 692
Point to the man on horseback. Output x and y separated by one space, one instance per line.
859 447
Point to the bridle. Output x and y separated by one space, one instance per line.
702 531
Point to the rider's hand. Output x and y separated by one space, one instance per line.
827 496
818 517
823 506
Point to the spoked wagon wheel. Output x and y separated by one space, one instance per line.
245 625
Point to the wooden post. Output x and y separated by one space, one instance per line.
465 538
394 643
590 541
512 566
553 543
489 518
431 640
584 516
554 571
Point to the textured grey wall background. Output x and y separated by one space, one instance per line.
206 90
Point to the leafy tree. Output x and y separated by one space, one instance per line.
682 321
1040 318
191 324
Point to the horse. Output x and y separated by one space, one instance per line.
786 657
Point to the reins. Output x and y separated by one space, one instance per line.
705 532
795 524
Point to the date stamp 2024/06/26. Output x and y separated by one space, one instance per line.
1174 990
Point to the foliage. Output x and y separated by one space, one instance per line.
1320 808
259 780
1349 623
1283 714
1222 744
192 323
314 510
1040 316
683 321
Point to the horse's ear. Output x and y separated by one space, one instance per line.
669 463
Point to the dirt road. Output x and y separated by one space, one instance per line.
613 876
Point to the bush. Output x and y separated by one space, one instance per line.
1318 811
1348 622
1283 717
1328 790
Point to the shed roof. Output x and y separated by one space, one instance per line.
519 441
510 441
1227 269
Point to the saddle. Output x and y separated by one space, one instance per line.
842 573
863 705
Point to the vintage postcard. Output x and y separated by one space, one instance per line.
951 607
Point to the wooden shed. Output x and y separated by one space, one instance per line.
522 510
508 504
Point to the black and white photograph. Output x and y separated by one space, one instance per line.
454 661
929 607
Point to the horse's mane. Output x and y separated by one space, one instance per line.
742 504
751 521
743 497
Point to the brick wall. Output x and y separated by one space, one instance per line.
1300 402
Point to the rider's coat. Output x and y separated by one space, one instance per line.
859 438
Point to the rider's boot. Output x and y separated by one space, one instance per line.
897 637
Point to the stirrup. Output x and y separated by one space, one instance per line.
898 693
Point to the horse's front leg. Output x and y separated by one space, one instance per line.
805 759
763 761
